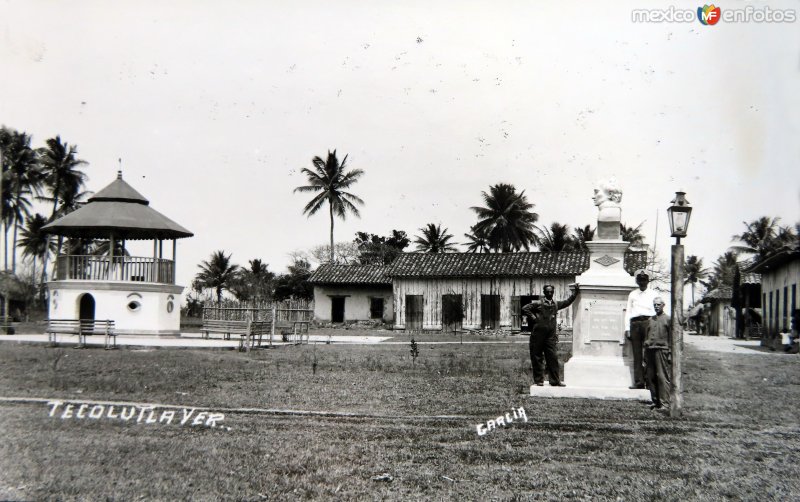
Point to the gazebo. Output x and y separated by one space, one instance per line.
138 293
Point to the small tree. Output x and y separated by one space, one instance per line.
414 351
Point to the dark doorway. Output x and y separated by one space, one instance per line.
86 309
452 313
337 309
414 309
490 311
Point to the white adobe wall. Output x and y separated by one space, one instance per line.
356 304
153 315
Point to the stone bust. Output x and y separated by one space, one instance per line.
607 197
607 194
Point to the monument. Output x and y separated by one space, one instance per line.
600 366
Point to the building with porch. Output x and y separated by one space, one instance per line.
780 274
137 292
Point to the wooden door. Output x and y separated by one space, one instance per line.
414 310
452 313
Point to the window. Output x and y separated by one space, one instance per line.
376 308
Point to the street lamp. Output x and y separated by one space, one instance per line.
679 213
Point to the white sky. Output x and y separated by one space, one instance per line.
214 107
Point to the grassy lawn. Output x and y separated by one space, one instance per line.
740 438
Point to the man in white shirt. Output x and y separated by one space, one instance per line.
637 317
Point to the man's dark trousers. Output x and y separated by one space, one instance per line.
637 332
658 375
543 345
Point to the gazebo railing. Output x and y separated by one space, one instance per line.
122 268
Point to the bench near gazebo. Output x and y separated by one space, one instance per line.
137 293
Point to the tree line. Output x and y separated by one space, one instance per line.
51 175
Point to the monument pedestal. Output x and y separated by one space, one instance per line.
601 366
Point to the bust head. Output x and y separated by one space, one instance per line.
607 194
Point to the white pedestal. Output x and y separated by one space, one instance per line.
601 366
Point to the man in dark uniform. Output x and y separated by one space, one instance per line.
544 336
656 356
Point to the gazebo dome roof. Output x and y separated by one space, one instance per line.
120 210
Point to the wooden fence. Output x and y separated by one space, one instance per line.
286 312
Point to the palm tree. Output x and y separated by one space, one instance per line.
477 242
724 270
22 179
330 180
34 242
434 240
217 273
507 221
556 238
62 178
762 237
632 235
693 271
580 236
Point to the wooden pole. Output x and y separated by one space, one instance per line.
174 261
676 342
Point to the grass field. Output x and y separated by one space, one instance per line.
739 438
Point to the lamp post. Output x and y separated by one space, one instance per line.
679 213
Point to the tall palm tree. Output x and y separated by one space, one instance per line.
632 234
693 271
477 242
434 240
34 242
761 237
22 179
217 273
62 178
507 220
556 238
582 235
330 179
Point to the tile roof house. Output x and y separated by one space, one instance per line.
451 290
345 293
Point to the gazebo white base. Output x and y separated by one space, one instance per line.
135 307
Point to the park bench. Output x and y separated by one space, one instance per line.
82 328
247 330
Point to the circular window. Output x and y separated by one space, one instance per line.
134 306
170 307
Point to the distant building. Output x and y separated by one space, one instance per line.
345 293
718 308
780 275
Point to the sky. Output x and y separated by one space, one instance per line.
215 107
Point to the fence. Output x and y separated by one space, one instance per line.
290 314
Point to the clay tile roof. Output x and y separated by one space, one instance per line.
750 278
721 293
500 264
351 274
